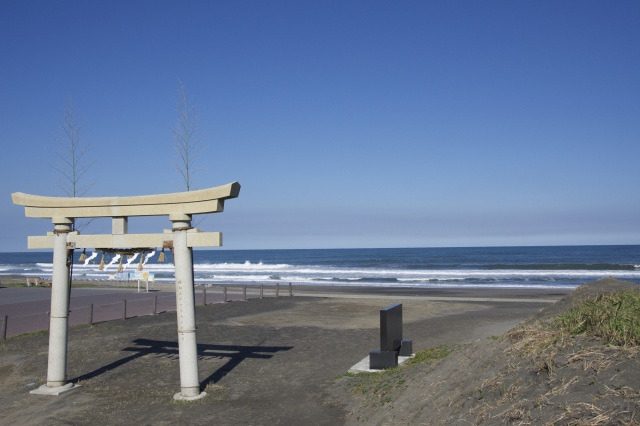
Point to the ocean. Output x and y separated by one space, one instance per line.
480 267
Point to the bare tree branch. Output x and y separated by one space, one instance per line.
184 132
71 164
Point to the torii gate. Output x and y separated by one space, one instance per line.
179 207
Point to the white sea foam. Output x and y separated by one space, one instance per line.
248 272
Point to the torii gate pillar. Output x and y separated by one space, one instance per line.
59 314
185 310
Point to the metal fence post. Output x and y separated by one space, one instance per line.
261 291
3 332
155 304
91 314
204 296
277 289
124 309
244 292
225 293
290 290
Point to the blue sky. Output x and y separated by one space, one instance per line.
348 123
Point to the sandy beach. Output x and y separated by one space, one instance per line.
262 361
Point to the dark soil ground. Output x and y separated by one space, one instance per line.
270 361
527 376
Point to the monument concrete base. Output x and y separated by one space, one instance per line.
364 365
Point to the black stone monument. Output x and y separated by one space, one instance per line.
392 344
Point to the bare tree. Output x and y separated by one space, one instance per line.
186 141
71 163
71 153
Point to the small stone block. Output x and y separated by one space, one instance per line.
406 347
379 360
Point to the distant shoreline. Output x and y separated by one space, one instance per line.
330 290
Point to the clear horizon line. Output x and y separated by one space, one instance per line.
380 248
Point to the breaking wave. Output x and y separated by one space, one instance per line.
495 275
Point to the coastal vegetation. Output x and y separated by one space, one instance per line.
613 317
430 354
377 387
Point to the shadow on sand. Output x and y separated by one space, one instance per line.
235 354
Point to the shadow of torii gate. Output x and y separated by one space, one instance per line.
182 237
234 354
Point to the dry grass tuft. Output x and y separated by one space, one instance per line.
625 392
593 358
533 339
563 387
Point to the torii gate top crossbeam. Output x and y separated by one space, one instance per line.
209 200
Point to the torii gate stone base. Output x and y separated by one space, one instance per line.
182 237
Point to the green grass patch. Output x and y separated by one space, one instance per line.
615 317
14 284
430 354
88 285
26 335
377 388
